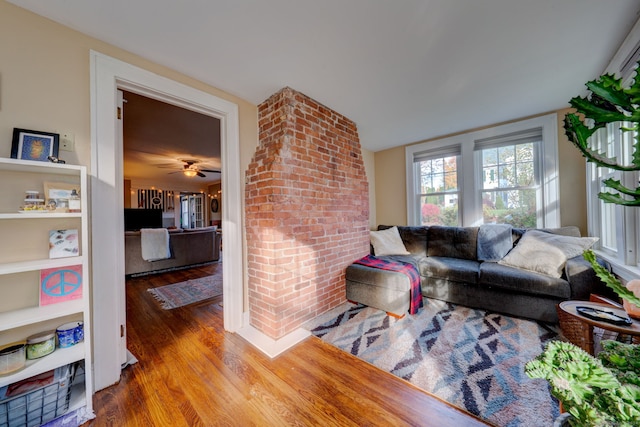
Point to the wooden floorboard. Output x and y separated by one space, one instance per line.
193 373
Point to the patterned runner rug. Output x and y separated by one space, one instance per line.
471 358
183 293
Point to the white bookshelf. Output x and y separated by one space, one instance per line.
24 254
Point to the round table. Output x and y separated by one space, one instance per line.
578 329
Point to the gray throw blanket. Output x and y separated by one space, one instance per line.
494 241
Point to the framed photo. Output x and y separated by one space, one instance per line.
57 195
34 145
214 205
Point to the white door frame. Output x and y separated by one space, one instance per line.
107 202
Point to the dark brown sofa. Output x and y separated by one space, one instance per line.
446 258
188 247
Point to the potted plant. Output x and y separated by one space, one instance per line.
595 391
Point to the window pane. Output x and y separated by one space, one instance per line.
526 174
506 154
450 181
490 157
490 177
608 226
506 176
441 209
524 152
437 175
516 207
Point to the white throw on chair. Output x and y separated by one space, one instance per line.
154 244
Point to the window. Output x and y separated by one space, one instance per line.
505 174
437 197
617 226
510 185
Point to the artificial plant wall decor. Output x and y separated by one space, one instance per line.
607 102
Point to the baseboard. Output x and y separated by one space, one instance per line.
269 346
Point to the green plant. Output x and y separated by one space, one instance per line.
594 394
623 359
609 279
607 102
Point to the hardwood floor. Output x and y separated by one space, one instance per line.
193 373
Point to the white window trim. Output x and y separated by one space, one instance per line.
469 203
627 263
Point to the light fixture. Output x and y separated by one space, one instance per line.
189 172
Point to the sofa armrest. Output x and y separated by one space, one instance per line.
584 281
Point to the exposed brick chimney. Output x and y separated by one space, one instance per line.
307 211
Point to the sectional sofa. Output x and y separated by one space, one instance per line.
480 267
188 247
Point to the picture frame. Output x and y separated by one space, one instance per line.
57 195
34 145
214 205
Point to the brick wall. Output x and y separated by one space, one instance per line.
307 211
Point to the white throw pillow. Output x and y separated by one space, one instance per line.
546 253
387 242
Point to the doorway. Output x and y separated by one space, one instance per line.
107 224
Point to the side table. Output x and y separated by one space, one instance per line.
579 329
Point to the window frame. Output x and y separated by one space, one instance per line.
625 259
451 151
537 170
470 198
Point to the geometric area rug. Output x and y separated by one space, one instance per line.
183 293
471 358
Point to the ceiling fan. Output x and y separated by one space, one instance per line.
191 168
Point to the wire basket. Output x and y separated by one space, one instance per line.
38 406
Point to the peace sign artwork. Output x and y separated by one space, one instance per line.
60 284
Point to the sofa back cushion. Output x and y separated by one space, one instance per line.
414 238
452 242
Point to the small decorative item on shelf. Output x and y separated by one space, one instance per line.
58 195
33 202
60 284
74 201
40 345
12 358
70 334
63 243
34 145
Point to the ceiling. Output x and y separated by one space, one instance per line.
404 71
159 139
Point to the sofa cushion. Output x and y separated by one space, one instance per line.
455 269
392 280
452 242
495 275
546 253
414 238
387 242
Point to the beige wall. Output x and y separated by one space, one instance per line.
369 167
391 193
391 187
44 83
573 180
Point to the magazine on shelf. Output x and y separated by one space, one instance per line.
63 243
